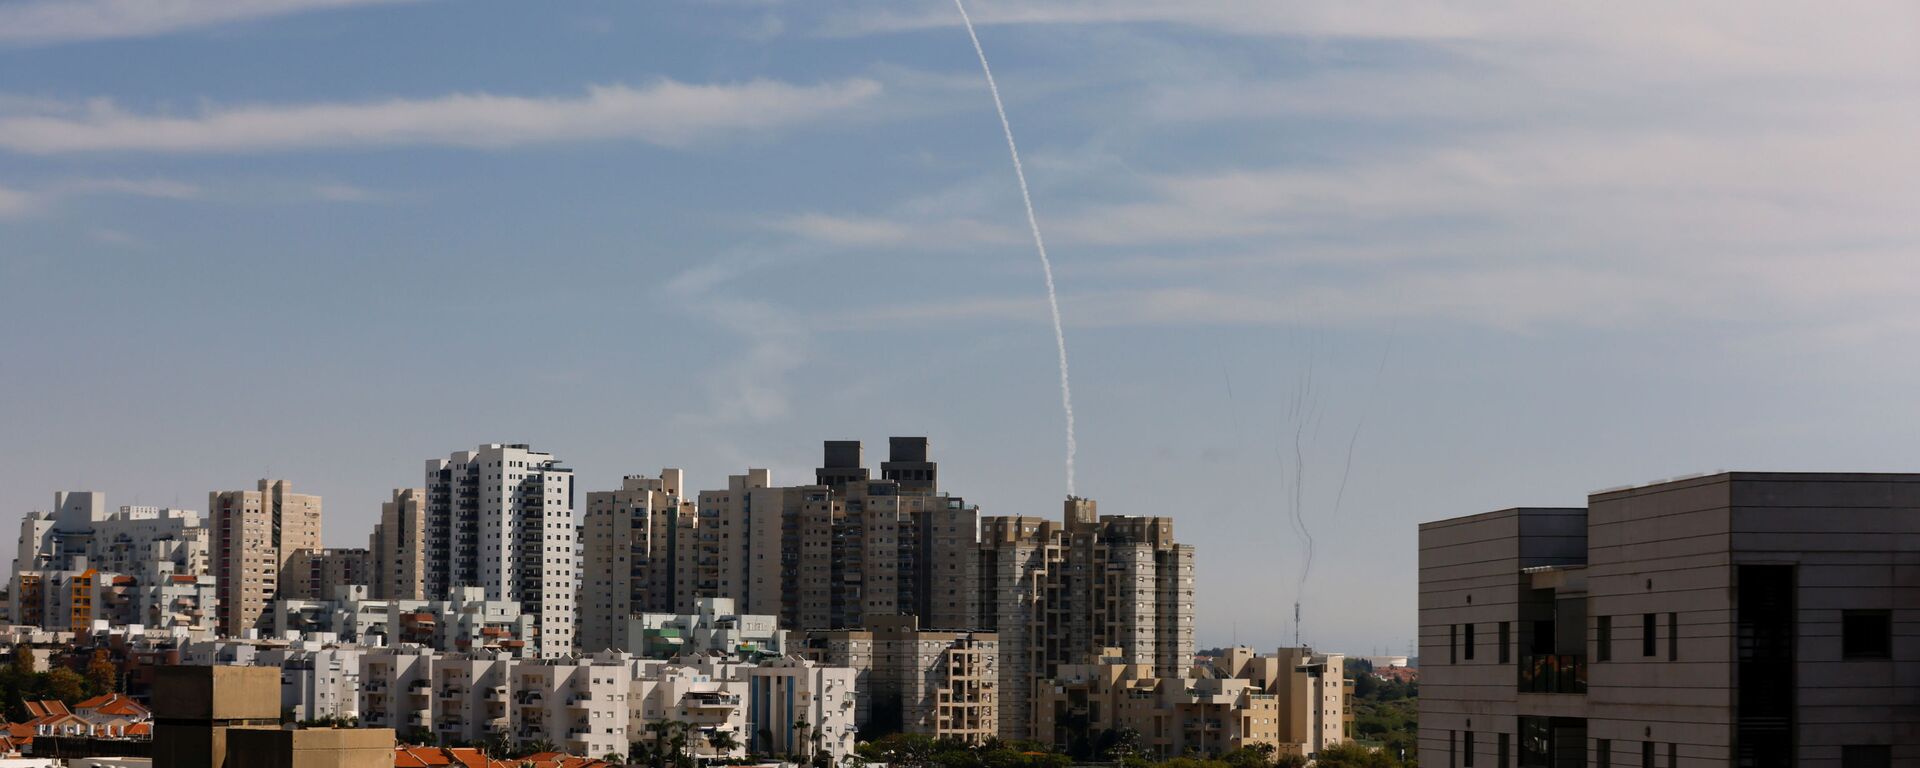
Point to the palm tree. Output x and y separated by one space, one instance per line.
803 726
722 742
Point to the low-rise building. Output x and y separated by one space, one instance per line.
1293 701
714 626
939 683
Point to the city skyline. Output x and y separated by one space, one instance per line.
1495 256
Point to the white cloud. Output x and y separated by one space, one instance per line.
20 202
32 22
664 112
872 231
336 192
14 202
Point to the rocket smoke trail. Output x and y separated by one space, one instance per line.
1033 223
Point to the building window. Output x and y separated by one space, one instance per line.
1673 755
1453 644
1602 753
1467 639
1453 738
1500 751
1648 642
1866 756
1866 634
1506 642
1468 748
1673 637
1646 754
1603 638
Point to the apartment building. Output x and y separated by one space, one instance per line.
465 621
50 540
259 535
471 697
821 556
1055 591
623 575
713 628
943 684
138 539
797 707
319 677
1736 619
396 690
335 567
579 704
501 518
397 549
1173 715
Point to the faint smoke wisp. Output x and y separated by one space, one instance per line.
1033 223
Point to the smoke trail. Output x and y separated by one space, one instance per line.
1033 223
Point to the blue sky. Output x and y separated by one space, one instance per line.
1507 253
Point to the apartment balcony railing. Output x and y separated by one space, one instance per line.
1558 673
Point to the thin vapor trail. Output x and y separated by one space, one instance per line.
1039 244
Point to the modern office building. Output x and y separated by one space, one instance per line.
1737 619
501 518
397 550
259 536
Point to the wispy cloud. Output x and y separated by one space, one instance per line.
337 192
39 22
873 231
664 112
20 202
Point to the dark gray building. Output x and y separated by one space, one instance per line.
1738 619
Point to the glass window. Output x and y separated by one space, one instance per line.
1866 634
1648 641
1866 756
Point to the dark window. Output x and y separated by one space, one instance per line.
1467 640
1467 747
1603 639
1870 756
1506 642
1647 640
1501 753
1453 758
1673 637
1646 754
1866 634
1673 755
1453 644
1602 753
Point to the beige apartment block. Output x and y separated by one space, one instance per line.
259 537
823 556
397 550
938 683
1056 591
1173 716
1736 619
617 557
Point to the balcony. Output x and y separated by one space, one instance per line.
1560 673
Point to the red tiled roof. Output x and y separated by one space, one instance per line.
113 704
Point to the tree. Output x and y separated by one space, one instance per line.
722 741
102 675
1352 755
66 685
22 664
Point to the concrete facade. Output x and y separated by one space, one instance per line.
397 549
501 518
259 536
1738 619
942 684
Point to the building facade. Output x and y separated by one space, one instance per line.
397 549
259 536
943 684
1737 619
501 518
